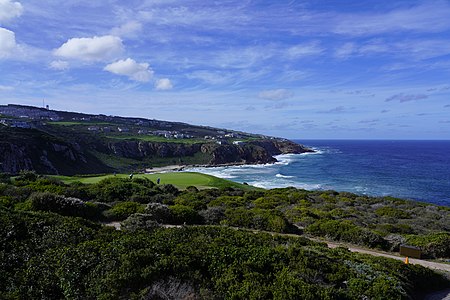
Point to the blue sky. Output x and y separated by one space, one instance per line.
368 69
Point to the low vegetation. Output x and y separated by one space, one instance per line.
54 246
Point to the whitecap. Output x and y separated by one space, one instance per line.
283 176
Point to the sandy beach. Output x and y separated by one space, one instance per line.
171 168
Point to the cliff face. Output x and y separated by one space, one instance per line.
25 149
255 152
139 149
30 149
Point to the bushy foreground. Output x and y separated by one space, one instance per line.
48 256
383 223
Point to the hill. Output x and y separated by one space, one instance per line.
68 143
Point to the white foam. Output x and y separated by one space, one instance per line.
283 176
270 184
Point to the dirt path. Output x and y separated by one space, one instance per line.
414 261
352 248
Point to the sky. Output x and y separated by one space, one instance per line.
310 69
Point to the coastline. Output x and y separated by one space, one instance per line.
179 168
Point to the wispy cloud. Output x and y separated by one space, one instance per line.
303 50
59 65
406 97
335 110
278 94
430 16
370 121
6 88
130 29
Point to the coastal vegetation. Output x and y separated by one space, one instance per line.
55 246
376 222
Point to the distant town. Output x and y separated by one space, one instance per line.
20 116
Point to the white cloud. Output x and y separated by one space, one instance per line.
163 84
278 94
7 42
9 10
97 48
59 65
130 68
129 29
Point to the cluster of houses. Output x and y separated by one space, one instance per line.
163 133
28 112
16 123
30 117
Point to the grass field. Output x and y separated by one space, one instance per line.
179 179
157 139
67 123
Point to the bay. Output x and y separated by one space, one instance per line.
416 170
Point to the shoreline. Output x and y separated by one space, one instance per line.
179 168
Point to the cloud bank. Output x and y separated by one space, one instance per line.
9 10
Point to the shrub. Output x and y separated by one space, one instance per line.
392 212
184 214
159 212
346 231
139 222
433 245
123 210
67 206
213 215
228 201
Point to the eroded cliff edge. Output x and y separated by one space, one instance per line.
32 149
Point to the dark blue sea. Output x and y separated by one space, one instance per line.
417 170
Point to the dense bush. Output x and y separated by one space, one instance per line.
346 231
341 216
432 245
182 214
139 222
392 212
123 210
261 219
67 206
159 212
46 256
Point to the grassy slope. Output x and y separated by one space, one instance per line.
179 179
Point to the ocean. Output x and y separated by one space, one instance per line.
416 170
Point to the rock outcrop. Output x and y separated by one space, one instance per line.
33 149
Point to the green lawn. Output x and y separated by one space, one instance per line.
179 179
83 123
152 138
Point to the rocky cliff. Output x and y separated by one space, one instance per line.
30 149
254 152
31 139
